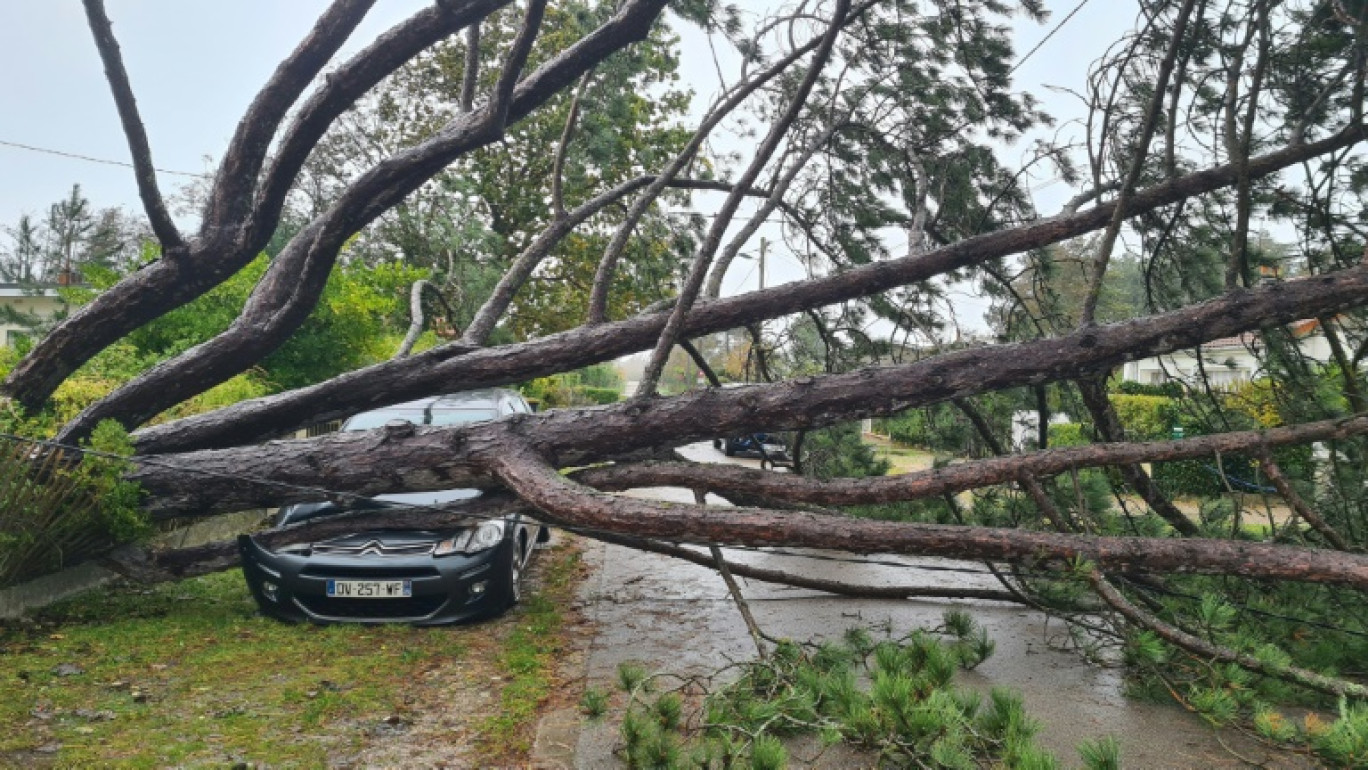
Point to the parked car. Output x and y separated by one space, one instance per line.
746 444
423 577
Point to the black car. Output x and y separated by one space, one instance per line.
397 575
749 445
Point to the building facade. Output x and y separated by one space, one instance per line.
23 305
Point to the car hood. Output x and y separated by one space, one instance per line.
293 514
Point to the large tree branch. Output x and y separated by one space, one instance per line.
342 88
285 296
724 106
138 148
170 283
230 199
729 481
216 480
446 368
561 501
1208 651
698 271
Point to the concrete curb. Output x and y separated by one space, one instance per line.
40 592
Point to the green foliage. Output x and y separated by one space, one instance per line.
1345 742
58 509
1101 754
594 702
1064 434
838 452
360 308
1145 418
597 384
1264 621
894 697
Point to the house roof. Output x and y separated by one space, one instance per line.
1303 328
28 290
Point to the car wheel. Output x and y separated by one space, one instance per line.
728 448
513 580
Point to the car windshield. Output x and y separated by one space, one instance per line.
462 416
440 416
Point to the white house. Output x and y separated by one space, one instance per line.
1227 361
41 301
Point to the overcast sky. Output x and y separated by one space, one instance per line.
196 64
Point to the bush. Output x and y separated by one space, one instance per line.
1067 434
838 452
55 511
601 395
1168 389
585 387
1144 417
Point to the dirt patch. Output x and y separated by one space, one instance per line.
438 724
433 725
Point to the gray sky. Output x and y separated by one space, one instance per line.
196 64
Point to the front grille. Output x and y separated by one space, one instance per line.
416 607
377 572
374 548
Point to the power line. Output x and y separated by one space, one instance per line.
1046 39
90 159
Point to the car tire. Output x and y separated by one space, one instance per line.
513 572
728 448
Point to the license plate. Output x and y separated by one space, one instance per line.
370 589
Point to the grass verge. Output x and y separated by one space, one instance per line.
527 662
189 674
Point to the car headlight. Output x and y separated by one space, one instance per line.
296 549
472 540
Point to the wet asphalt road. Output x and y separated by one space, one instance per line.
676 617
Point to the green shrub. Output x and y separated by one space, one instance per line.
1169 389
894 697
1145 417
1067 434
57 509
838 452
601 395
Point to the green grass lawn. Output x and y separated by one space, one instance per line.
189 673
902 459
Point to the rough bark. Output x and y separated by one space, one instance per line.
148 191
561 501
285 296
448 368
590 435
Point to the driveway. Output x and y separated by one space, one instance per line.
676 617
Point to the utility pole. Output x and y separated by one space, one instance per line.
764 244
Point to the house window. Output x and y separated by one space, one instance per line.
15 338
